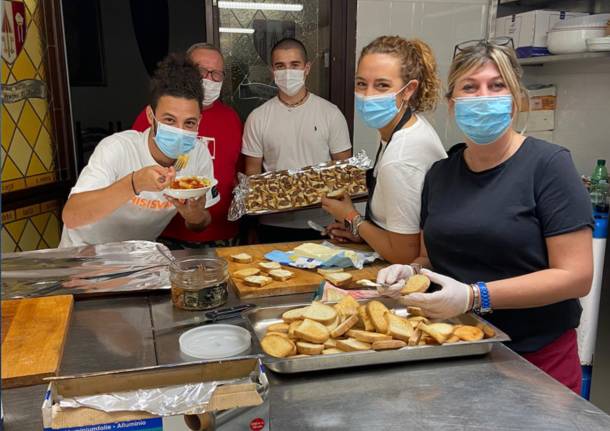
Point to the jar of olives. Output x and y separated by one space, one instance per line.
199 283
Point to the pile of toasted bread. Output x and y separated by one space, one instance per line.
348 326
261 275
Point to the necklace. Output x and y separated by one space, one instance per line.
293 105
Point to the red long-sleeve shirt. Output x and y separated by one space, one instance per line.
223 124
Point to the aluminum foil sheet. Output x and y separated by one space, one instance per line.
296 189
117 267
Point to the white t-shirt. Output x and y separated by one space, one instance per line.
143 217
291 138
400 173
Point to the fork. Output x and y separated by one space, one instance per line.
181 162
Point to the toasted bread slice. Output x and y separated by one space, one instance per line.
377 313
278 327
469 333
331 270
443 328
241 258
330 343
348 306
333 325
336 194
246 272
294 314
439 337
339 279
415 311
269 266
416 319
257 280
367 283
345 326
488 331
278 346
416 283
388 345
281 334
312 331
414 339
399 327
365 319
366 336
319 312
352 345
453 339
332 351
281 274
292 326
306 348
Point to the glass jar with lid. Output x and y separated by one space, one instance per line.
199 283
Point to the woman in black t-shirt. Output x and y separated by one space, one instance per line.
506 220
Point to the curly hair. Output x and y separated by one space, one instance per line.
417 62
176 76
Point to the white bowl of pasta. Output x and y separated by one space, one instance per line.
190 187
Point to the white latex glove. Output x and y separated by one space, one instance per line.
452 300
393 278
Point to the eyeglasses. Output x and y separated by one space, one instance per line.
217 75
495 41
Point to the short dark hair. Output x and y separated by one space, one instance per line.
176 76
290 43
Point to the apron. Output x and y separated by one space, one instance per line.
371 179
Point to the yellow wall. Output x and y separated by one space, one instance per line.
28 150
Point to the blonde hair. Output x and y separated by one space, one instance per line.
416 62
505 59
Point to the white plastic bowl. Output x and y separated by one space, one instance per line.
573 40
190 193
599 44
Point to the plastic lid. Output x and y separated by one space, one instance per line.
216 341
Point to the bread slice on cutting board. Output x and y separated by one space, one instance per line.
281 274
257 280
246 272
339 279
269 266
241 258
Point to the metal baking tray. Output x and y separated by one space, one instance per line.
262 317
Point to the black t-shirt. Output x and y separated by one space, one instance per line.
492 225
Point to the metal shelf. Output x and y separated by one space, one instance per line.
539 61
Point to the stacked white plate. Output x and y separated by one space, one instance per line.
599 43
570 36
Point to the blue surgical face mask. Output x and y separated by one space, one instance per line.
377 111
173 141
484 119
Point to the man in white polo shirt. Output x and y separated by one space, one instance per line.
294 129
119 194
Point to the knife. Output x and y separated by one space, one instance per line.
315 226
208 317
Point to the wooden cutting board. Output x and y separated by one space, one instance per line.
305 280
33 336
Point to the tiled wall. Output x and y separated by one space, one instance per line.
28 151
27 145
31 228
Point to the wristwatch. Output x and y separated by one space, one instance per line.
352 222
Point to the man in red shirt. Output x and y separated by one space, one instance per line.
220 122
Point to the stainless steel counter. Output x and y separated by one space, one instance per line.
498 391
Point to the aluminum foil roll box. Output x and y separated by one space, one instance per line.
230 392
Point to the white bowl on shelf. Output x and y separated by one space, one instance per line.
572 40
599 43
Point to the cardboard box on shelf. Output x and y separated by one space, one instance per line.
538 109
529 29
240 395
